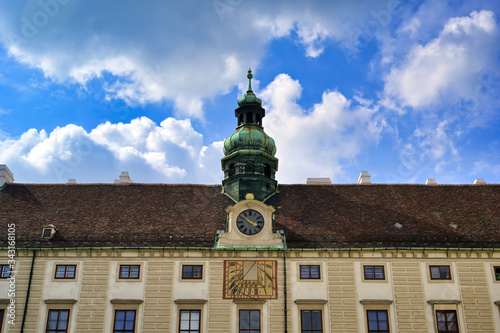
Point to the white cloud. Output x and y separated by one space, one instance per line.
449 67
169 50
170 152
312 142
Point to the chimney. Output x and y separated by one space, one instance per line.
479 181
71 181
431 181
6 176
364 178
318 181
125 178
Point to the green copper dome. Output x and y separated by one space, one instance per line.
249 97
249 137
249 163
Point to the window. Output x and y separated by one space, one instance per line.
497 273
249 321
2 311
57 321
47 232
129 271
447 321
374 272
311 321
440 272
378 321
124 321
5 271
65 271
192 271
267 170
189 321
309 271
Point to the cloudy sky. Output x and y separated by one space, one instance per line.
405 90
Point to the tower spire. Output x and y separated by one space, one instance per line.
249 76
249 164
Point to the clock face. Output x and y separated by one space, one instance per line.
250 222
254 279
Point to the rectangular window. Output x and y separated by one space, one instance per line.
65 271
192 271
189 321
57 321
447 321
378 321
124 321
374 272
5 271
311 321
440 272
309 272
129 271
249 321
2 312
497 273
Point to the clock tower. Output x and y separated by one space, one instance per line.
249 167
249 164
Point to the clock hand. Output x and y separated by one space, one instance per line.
252 223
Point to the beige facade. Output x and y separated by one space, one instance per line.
342 292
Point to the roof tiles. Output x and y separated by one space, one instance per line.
312 216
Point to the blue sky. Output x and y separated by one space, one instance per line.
405 90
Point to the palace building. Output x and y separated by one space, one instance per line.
251 255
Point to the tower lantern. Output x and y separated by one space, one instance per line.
249 164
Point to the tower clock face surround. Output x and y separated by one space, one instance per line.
250 222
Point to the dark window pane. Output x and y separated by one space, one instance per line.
372 315
244 319
197 272
304 272
369 272
315 272
445 272
435 272
255 320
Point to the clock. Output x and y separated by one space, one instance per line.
250 222
253 279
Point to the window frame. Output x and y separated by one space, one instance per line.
2 271
2 315
309 272
248 330
457 324
449 278
378 330
65 272
496 273
302 330
115 330
180 330
374 278
120 277
191 277
56 330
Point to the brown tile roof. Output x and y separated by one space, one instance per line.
313 216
